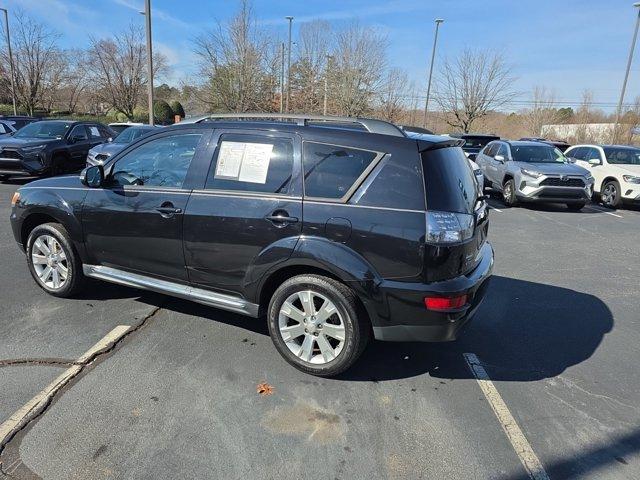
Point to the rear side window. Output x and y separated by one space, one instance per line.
252 163
331 171
449 182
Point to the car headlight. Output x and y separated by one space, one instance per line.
34 149
531 173
588 178
631 179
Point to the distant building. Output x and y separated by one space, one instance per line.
592 132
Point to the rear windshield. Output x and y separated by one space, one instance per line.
449 182
478 142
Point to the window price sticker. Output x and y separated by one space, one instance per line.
244 162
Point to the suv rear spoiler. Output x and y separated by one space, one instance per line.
372 125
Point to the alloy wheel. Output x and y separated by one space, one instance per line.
50 262
312 327
609 194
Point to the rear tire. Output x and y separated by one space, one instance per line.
610 194
575 207
317 325
509 193
53 262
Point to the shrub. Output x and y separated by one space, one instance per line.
177 108
162 112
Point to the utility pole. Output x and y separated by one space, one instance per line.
289 64
626 75
147 14
13 75
282 77
433 55
326 86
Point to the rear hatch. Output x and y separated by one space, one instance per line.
456 218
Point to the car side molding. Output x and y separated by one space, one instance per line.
199 295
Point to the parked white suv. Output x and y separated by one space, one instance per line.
616 169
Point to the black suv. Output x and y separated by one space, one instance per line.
334 233
474 142
50 147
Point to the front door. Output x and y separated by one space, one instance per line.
79 145
248 215
135 222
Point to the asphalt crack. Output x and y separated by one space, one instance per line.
13 467
47 362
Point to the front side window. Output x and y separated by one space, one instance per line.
252 163
331 171
576 153
622 156
162 162
491 149
504 151
592 154
78 133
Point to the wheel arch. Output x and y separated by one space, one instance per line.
608 178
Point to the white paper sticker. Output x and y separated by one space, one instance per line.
244 162
255 163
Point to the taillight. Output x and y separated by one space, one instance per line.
15 198
445 303
449 227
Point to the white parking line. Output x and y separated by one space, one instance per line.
519 442
34 406
604 211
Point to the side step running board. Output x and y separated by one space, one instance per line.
206 297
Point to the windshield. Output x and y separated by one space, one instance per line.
537 154
622 156
130 134
46 130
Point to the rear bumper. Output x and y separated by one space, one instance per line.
409 320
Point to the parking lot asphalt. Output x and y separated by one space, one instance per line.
558 336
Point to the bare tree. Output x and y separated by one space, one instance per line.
358 65
35 52
543 111
471 85
118 68
235 60
76 80
392 102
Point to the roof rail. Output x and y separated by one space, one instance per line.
370 124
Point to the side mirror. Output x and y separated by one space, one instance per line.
594 162
92 176
110 139
499 158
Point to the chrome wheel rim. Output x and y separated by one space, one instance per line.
507 192
311 327
609 194
50 262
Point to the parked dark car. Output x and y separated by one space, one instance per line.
333 234
559 144
49 147
100 153
474 142
11 124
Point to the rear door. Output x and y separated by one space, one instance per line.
247 215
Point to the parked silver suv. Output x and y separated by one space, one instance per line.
534 172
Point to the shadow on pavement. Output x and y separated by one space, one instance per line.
524 331
589 462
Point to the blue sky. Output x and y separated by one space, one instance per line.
565 45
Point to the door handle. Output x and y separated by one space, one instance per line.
167 209
281 218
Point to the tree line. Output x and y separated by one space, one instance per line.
343 70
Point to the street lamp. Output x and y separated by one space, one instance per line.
147 14
626 75
282 77
289 63
433 54
13 76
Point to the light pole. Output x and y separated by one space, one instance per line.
13 76
626 75
326 86
289 64
433 55
147 14
282 77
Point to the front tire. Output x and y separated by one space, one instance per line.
610 194
52 260
316 324
509 193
